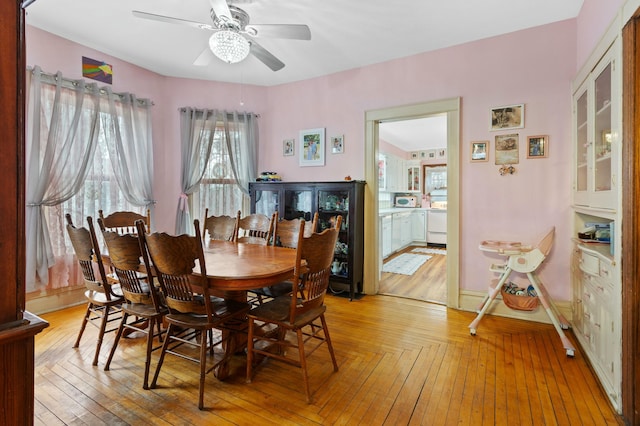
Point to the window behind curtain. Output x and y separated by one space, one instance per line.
218 191
100 192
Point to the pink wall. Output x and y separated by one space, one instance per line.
534 67
593 20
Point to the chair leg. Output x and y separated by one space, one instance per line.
163 351
117 339
103 327
203 365
327 338
84 324
303 363
250 351
147 361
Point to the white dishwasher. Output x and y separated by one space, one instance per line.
437 226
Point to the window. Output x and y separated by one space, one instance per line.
218 190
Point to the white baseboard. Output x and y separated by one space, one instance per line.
55 300
470 300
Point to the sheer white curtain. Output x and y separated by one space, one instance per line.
197 129
62 133
220 149
127 131
69 167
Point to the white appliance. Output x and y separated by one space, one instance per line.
406 201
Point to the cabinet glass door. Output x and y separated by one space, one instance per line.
331 204
413 178
582 142
298 203
266 202
602 142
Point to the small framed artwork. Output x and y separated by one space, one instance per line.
423 155
337 144
288 147
479 151
431 154
312 147
441 153
537 146
415 155
507 117
507 151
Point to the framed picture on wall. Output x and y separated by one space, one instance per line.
337 144
507 151
312 147
507 117
537 146
479 151
288 147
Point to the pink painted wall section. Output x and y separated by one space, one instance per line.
592 22
534 67
54 54
387 148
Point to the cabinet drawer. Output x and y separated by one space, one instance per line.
590 264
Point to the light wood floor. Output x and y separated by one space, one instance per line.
402 362
428 283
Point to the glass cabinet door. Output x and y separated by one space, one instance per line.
266 202
413 178
582 142
602 137
331 204
298 203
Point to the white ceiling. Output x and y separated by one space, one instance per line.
416 135
345 34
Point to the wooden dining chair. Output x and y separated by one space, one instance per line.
302 312
221 228
193 312
143 309
103 292
256 228
286 234
123 222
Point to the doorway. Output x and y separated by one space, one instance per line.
413 247
450 107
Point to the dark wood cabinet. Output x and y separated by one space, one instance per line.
302 199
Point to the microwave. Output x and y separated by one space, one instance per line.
406 201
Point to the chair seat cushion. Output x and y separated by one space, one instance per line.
143 310
223 309
98 298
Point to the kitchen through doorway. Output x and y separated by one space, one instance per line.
373 259
412 202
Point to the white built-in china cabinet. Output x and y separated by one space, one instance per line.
595 269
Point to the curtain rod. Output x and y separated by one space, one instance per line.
200 110
70 83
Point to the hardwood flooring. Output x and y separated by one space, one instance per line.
402 362
428 283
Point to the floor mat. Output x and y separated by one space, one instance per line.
405 264
428 250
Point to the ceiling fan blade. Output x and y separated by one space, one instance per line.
266 57
221 9
204 58
169 19
290 31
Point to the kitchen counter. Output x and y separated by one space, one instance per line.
392 210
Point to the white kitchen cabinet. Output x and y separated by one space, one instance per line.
419 226
413 176
394 174
386 225
437 226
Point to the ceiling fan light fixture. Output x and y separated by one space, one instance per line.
230 46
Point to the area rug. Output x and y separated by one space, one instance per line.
405 264
428 250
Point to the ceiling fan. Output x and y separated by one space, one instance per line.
233 37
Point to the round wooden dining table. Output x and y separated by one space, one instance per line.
235 268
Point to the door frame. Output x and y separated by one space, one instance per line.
451 107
